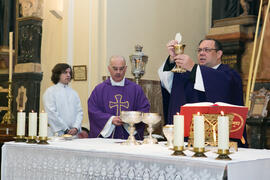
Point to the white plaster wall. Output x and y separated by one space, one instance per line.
152 23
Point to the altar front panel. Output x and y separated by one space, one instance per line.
108 159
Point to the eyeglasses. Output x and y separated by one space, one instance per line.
207 50
118 68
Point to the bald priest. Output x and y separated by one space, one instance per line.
112 96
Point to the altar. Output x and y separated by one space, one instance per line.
108 159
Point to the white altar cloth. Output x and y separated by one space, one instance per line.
108 159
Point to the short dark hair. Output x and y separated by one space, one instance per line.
218 44
58 70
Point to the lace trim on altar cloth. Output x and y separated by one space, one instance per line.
69 164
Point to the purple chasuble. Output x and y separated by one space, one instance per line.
107 100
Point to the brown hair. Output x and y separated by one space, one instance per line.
58 70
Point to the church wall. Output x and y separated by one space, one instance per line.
81 51
54 42
153 23
102 28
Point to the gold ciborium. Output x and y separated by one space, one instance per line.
168 132
131 118
150 119
179 49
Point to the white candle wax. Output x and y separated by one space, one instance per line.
32 130
223 132
20 123
43 124
199 131
178 121
10 55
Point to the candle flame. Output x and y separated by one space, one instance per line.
177 113
222 113
32 111
42 111
198 113
20 110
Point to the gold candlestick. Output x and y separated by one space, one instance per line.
31 139
223 154
8 117
20 138
199 152
178 151
43 140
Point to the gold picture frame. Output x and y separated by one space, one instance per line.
259 103
80 73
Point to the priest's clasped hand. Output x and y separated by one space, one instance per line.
117 121
73 131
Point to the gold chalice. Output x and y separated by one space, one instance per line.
168 131
131 117
150 119
179 49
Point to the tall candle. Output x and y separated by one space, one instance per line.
43 124
10 55
198 131
223 132
20 123
178 121
32 130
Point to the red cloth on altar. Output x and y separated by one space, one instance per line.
239 112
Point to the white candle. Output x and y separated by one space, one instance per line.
32 130
43 124
178 121
10 55
223 132
198 131
20 123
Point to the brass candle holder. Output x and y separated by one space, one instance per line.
199 152
20 138
43 140
179 49
223 154
178 151
8 117
31 139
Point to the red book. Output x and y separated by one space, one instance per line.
239 115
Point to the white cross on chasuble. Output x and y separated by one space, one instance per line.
118 104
